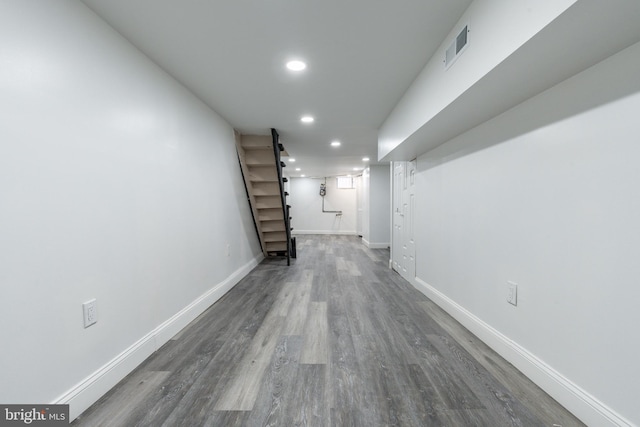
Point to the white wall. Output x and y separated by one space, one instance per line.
546 195
306 207
116 184
497 29
380 206
365 188
377 206
359 204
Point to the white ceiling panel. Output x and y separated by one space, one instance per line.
362 55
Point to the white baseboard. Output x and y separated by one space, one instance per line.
88 391
577 400
371 245
340 232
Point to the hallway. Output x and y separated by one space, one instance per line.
336 339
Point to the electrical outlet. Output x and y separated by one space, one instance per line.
90 312
512 293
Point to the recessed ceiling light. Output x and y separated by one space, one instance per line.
335 144
292 160
365 159
306 119
356 169
302 176
298 169
296 65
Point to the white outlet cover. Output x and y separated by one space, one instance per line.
90 312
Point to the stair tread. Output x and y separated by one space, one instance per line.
266 216
266 195
276 246
281 229
257 145
262 166
258 163
256 141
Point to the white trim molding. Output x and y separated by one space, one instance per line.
577 400
88 391
372 245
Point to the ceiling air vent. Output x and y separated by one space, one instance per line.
456 47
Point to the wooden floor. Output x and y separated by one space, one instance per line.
337 339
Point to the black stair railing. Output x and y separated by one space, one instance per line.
277 148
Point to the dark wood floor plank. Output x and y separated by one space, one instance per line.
276 389
319 287
314 350
196 386
299 307
242 391
493 395
348 399
507 378
307 405
336 339
123 407
221 418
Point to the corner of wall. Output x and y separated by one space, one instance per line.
375 245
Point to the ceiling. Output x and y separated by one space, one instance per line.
361 57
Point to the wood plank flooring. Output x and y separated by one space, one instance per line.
336 339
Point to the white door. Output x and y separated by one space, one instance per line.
403 250
408 211
398 216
